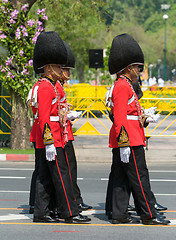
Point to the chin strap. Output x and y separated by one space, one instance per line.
65 76
57 74
137 75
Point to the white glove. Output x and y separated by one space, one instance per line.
153 118
150 111
125 154
72 115
50 152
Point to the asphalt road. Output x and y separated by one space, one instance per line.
16 223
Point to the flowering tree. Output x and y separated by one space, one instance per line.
18 33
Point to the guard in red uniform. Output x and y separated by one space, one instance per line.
69 148
32 102
127 136
49 56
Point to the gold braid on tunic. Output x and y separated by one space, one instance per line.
123 140
47 135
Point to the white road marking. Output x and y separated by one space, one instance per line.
91 179
17 169
9 177
162 171
165 194
10 217
157 194
5 191
152 180
162 180
31 169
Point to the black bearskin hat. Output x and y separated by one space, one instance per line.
70 57
124 52
49 49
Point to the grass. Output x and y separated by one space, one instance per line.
16 151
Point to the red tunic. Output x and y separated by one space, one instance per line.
48 131
124 104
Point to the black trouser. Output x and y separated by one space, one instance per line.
132 176
108 204
54 174
34 177
70 155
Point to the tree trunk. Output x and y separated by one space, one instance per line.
20 124
81 74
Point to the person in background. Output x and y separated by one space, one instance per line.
50 55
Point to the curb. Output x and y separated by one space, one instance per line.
17 157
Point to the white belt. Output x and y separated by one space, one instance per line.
63 99
132 117
54 101
54 118
129 102
131 99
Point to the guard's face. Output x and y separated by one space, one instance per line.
56 71
135 71
65 74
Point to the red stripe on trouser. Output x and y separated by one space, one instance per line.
141 183
69 169
63 187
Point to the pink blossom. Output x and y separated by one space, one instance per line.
21 52
45 17
8 74
8 62
5 1
25 7
24 72
24 31
40 28
38 11
12 21
39 23
30 23
18 33
2 36
12 76
30 62
14 14
22 81
2 70
3 9
35 37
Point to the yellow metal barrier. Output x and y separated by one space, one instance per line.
93 125
166 125
5 116
95 119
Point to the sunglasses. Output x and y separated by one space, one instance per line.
140 68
